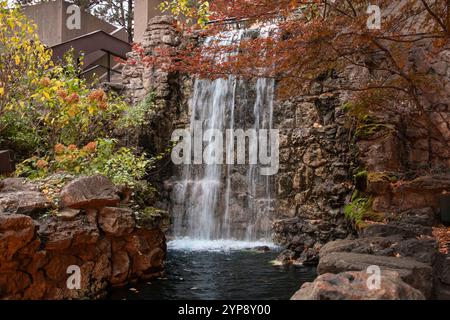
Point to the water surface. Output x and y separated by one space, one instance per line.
218 270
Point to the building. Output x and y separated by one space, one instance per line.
98 41
144 10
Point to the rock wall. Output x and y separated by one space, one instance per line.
317 156
404 170
169 91
91 230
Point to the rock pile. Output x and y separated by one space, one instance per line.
405 249
91 230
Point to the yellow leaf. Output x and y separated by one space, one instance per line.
17 59
2 91
91 110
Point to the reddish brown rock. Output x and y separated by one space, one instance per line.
34 256
89 192
116 221
14 283
60 235
16 231
120 267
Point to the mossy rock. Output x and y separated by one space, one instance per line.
361 180
381 177
380 182
151 217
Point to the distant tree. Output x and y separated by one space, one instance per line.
117 12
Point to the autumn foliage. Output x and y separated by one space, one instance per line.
318 40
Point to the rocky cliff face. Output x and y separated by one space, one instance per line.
402 154
168 91
91 231
317 156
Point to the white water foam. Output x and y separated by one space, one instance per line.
189 244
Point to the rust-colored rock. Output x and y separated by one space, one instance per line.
16 231
116 221
89 192
120 267
60 235
35 256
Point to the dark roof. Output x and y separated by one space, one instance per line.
92 42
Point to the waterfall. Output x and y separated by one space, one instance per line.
226 201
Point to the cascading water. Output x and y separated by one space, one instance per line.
226 201
222 210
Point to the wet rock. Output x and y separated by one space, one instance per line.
261 249
116 221
147 249
120 267
353 286
89 192
416 274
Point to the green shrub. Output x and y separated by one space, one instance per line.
121 165
138 115
358 209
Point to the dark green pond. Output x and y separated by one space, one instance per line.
231 274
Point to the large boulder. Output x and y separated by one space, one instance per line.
415 273
19 196
406 231
116 221
89 192
423 250
353 286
